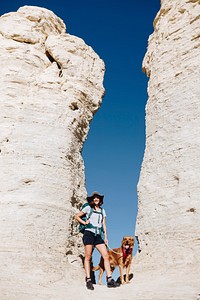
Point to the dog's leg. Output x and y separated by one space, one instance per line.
121 274
100 275
127 273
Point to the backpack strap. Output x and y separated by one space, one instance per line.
96 212
91 211
98 230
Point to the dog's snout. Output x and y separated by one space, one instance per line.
128 241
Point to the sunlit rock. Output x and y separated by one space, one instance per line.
169 184
51 86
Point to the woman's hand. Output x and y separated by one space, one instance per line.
106 241
87 222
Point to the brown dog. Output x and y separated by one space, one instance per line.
121 257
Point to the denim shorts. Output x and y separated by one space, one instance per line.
89 238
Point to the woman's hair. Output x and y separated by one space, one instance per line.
92 204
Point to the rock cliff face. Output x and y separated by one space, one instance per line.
51 86
169 185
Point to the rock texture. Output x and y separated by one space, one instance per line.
169 185
51 86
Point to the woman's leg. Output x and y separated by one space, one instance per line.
88 255
104 253
110 282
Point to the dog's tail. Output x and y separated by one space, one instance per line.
96 268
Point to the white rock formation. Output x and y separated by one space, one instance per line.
169 185
51 86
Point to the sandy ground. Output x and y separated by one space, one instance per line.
145 286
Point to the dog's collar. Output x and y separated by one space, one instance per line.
126 252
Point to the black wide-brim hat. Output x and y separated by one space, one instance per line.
90 198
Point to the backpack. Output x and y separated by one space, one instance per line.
82 227
84 218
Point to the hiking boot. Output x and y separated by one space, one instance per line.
89 285
112 284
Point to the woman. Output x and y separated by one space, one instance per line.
92 236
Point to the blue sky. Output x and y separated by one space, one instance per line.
118 32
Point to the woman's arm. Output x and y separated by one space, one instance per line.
78 218
105 231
